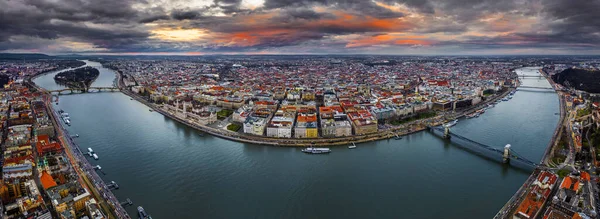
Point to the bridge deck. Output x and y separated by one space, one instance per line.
546 88
83 90
531 76
513 154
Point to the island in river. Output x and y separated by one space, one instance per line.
79 78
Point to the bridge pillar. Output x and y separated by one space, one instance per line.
446 132
506 155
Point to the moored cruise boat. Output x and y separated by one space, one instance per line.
450 124
313 150
472 115
142 213
352 146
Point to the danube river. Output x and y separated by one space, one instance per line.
174 173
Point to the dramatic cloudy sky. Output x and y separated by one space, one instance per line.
301 26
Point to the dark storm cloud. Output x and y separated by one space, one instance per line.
125 25
272 4
294 14
371 9
572 24
303 13
362 7
576 21
228 6
465 10
443 28
154 18
79 10
51 20
186 14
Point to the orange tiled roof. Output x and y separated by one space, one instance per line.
570 183
47 180
585 176
44 145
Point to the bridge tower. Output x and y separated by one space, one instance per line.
446 132
506 155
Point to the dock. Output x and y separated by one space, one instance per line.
113 185
127 202
99 168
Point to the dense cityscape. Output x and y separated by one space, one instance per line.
416 109
312 102
314 98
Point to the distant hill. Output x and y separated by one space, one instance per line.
23 56
580 79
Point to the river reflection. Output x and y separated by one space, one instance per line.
175 173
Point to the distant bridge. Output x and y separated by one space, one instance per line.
494 153
537 91
531 76
534 87
83 90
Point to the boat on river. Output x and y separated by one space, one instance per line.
313 150
450 124
352 146
142 213
472 115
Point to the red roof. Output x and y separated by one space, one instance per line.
443 83
570 183
47 180
585 176
44 145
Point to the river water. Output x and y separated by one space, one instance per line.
174 173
